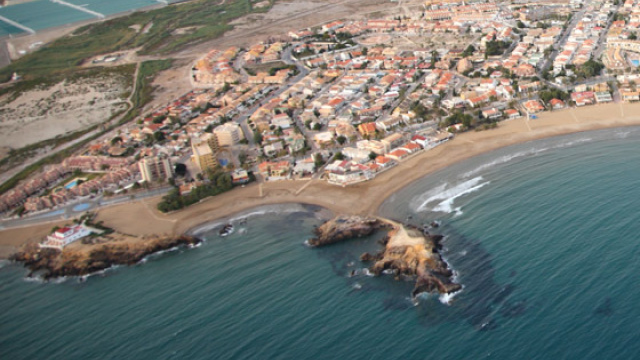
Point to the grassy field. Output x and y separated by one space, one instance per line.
202 19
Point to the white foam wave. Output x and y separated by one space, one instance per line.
446 298
532 151
444 197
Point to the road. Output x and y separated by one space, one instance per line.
78 207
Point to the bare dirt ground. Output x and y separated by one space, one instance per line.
62 108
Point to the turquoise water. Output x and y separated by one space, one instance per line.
71 185
109 7
43 14
543 237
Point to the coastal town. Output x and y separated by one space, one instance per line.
351 99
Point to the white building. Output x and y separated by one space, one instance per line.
228 134
65 236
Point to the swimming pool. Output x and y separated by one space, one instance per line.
635 62
71 185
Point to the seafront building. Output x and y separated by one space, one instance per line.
65 236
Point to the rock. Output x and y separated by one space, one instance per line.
412 254
369 257
344 228
52 263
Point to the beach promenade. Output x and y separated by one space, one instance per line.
142 218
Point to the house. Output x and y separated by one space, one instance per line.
384 161
411 147
239 176
533 106
630 96
367 129
346 172
603 97
492 113
583 98
398 154
65 236
272 170
420 140
512 113
556 104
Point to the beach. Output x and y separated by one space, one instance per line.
141 217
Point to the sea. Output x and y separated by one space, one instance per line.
44 14
543 236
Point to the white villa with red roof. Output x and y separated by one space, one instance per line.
65 236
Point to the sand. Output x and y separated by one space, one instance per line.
45 113
141 218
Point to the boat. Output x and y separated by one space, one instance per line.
226 230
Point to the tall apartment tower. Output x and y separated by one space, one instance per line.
157 168
204 151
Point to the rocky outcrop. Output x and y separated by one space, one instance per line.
51 263
408 252
343 228
412 253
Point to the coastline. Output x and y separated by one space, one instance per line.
360 199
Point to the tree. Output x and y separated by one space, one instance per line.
339 156
633 36
158 136
372 156
116 140
318 160
468 51
257 137
520 25
181 169
341 139
317 126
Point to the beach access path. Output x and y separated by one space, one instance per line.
142 218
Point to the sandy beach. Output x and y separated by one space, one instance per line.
142 218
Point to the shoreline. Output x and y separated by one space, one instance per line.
360 199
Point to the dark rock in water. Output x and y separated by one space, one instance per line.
344 228
435 224
369 257
408 253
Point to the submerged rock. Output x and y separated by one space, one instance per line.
343 228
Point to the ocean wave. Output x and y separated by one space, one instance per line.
444 197
529 152
447 298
